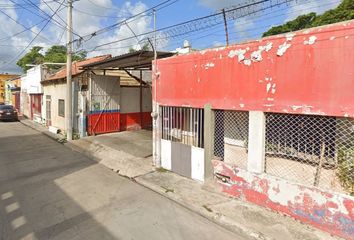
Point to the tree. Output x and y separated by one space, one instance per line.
32 57
55 54
145 47
344 11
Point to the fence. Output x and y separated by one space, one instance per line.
312 150
231 137
184 125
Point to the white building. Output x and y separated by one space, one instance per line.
32 91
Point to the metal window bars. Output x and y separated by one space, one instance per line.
231 137
312 150
183 124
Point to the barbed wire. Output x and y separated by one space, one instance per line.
206 22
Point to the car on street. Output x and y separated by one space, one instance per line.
8 112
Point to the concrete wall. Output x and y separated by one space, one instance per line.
330 212
130 117
130 100
31 81
25 104
285 73
56 91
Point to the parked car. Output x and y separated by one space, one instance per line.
8 112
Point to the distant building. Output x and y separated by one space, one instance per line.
3 78
31 92
13 92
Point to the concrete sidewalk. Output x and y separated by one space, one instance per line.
129 154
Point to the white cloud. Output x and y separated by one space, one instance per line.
7 28
138 26
87 19
220 4
306 6
243 26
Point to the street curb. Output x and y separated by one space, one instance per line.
216 218
45 133
56 138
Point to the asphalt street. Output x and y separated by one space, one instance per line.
48 191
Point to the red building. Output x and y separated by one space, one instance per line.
272 120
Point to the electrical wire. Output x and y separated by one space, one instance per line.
221 30
54 21
131 18
178 32
18 33
35 37
118 17
201 22
22 25
18 6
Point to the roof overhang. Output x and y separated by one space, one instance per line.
132 61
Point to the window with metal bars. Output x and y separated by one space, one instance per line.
313 150
182 124
231 137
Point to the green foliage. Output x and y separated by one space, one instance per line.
346 167
343 12
33 57
55 54
145 47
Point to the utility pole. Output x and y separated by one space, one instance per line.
155 114
225 25
68 102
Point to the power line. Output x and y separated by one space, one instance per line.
208 29
25 27
29 44
44 13
111 8
53 19
18 33
116 17
18 6
271 17
208 21
113 26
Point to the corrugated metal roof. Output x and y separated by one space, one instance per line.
138 59
76 67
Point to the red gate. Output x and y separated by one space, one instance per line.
36 105
104 122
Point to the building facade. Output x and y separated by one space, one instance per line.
54 95
13 92
32 92
269 120
3 78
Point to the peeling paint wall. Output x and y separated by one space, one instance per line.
333 213
306 72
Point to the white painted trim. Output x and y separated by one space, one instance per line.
256 142
166 154
197 160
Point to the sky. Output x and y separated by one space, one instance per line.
25 23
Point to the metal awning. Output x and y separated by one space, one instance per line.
135 60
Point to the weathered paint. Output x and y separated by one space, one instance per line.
317 76
333 213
